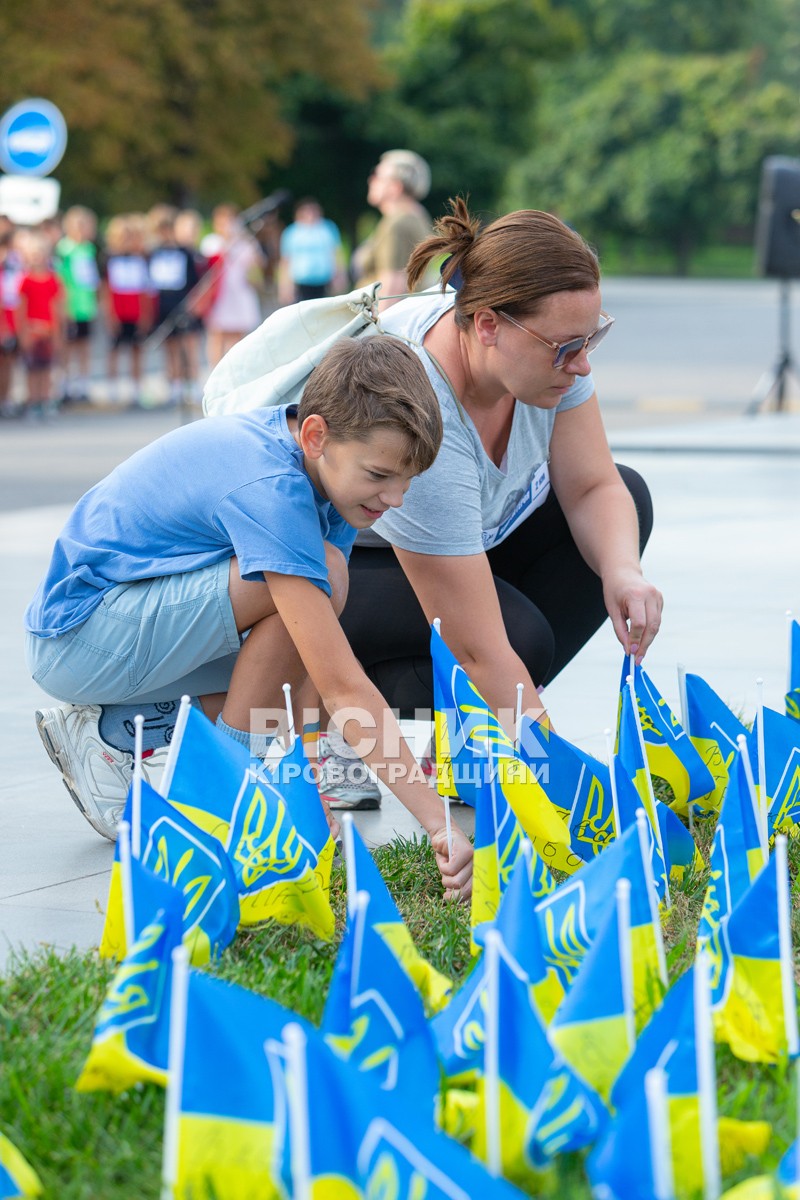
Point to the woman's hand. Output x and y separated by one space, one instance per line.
634 606
456 870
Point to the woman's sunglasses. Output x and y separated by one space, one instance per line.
565 350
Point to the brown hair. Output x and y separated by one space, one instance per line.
514 263
375 382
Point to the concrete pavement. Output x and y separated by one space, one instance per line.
724 552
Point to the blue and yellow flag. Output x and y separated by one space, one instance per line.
714 730
518 925
498 841
131 1034
572 916
207 775
736 855
632 757
746 972
195 863
281 849
231 1099
464 723
793 693
577 784
594 1026
360 1144
670 753
532 1105
141 890
375 1020
782 762
363 876
18 1180
632 1155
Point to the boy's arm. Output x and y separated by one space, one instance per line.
314 628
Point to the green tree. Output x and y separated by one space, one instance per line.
177 99
658 147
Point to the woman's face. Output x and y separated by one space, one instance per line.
523 365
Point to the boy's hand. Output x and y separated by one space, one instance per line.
456 871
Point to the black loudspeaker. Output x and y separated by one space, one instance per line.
778 225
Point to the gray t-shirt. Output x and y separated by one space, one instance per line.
465 503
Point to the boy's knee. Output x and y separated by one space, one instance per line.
338 576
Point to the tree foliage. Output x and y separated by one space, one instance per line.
178 99
659 147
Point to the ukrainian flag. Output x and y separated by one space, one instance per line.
464 724
736 855
131 1034
498 842
538 1105
746 972
232 1121
280 845
781 738
632 1158
374 1017
207 775
714 730
17 1177
632 757
363 876
670 753
793 694
594 1027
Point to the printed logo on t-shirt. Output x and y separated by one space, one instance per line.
521 508
127 273
168 270
84 272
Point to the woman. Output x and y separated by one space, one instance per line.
523 535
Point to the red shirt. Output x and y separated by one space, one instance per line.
128 286
38 295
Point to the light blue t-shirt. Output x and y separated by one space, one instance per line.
465 503
311 251
200 494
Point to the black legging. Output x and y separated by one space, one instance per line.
551 602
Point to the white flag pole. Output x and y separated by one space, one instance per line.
437 625
175 1060
683 697
655 1090
642 824
758 813
175 747
706 1077
128 915
448 824
518 717
789 685
290 734
491 1050
650 792
785 948
622 894
136 788
348 845
294 1039
613 780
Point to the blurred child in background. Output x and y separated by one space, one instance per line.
173 275
126 298
39 319
76 265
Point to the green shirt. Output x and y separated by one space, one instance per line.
76 265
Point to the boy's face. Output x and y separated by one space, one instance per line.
362 479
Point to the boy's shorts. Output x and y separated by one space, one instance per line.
156 639
128 334
79 331
39 354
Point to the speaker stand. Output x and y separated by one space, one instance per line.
773 382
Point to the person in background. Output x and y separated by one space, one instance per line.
236 259
126 299
40 320
76 266
10 275
188 231
311 247
173 275
397 185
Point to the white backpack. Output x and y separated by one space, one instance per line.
272 364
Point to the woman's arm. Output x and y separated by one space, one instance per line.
602 519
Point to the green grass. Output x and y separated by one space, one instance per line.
99 1147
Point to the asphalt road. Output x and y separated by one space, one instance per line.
680 350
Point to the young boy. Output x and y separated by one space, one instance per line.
40 319
214 563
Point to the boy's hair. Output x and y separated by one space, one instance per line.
375 382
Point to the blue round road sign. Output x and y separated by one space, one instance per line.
33 138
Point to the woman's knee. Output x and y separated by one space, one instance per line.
338 577
643 501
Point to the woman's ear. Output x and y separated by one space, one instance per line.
486 322
313 434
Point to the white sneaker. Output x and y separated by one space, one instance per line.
95 774
344 780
